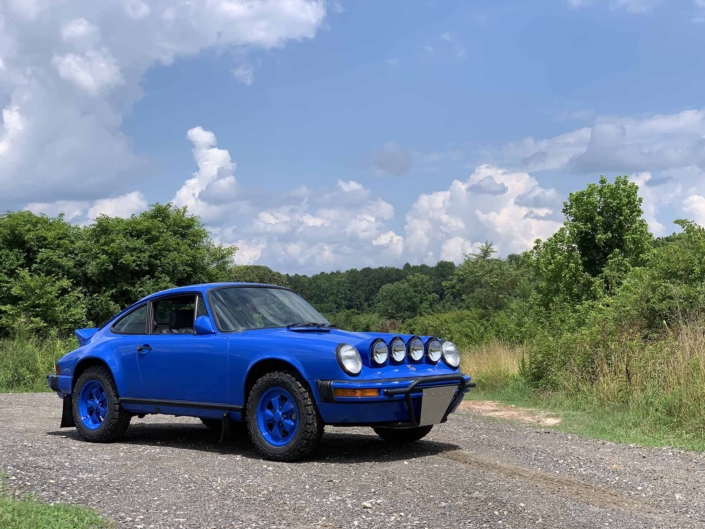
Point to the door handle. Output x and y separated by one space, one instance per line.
144 348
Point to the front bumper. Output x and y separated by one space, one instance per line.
397 404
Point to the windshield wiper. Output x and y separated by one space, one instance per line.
313 324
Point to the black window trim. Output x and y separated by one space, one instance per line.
214 316
126 314
174 295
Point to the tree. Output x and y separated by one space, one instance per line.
602 238
124 260
408 298
488 283
256 274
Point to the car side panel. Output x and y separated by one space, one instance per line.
119 353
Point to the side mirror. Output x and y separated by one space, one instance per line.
203 325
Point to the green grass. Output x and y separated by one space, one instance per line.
25 361
631 424
25 513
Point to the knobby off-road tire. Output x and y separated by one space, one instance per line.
403 435
310 425
116 419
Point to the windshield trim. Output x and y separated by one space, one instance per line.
214 314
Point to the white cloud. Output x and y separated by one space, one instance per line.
123 206
695 205
94 72
449 224
72 69
212 189
244 73
658 142
302 229
84 211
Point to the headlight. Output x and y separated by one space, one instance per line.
416 349
398 350
434 350
380 352
451 356
349 359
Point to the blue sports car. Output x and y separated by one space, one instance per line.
257 357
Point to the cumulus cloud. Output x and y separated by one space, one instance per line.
664 153
392 159
340 226
71 69
621 144
695 205
449 224
84 211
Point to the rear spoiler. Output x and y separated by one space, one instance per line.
84 335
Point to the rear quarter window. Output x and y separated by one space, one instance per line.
134 322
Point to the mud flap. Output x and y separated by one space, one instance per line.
67 414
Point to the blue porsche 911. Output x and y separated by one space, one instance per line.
258 357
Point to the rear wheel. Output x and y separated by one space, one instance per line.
96 407
403 435
282 419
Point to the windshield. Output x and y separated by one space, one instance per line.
244 308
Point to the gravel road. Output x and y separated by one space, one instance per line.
469 472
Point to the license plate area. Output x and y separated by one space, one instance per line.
434 404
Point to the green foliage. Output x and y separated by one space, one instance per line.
26 360
602 238
163 247
256 274
25 513
488 283
55 276
408 298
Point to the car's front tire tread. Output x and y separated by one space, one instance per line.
310 423
117 420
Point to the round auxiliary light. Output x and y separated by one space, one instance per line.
434 350
380 352
349 359
451 356
416 349
398 350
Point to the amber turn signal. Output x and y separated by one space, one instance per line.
339 392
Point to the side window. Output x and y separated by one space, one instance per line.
201 309
174 315
133 323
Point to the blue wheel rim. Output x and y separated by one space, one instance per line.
277 416
93 404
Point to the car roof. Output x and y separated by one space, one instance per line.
204 287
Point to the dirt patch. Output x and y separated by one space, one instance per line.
489 408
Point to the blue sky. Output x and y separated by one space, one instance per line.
320 136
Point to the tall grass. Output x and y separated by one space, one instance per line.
664 377
25 361
493 365
639 390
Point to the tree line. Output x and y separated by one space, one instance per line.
602 272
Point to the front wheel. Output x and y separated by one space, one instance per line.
282 419
96 407
403 435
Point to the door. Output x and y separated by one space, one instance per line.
175 363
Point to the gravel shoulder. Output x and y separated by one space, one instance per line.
473 471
